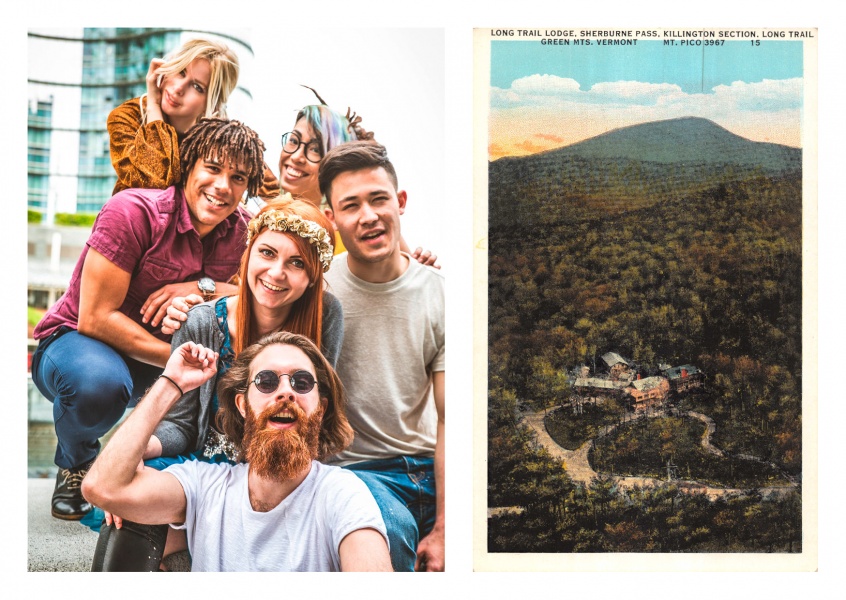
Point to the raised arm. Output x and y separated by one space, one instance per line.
102 292
146 495
430 550
184 427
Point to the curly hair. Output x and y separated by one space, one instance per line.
226 141
335 431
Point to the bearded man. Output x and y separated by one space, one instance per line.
282 405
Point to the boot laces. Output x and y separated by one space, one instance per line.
74 477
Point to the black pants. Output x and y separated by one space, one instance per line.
133 547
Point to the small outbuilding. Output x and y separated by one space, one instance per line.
618 367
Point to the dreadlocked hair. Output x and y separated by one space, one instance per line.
224 141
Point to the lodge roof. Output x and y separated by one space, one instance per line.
612 358
647 383
596 382
676 372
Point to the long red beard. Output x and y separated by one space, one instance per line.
281 454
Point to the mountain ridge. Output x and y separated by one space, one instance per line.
686 140
630 168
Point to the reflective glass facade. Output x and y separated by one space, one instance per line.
39 122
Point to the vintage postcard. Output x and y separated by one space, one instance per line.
645 286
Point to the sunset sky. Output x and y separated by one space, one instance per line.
545 97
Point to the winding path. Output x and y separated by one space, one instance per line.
710 428
578 467
576 461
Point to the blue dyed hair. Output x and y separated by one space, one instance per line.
331 128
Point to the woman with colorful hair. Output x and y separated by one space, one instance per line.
317 130
192 82
281 289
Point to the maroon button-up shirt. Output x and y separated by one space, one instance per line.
149 234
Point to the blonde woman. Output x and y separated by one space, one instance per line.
193 82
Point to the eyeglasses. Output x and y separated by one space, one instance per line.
291 142
267 382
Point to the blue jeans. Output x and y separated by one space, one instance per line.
404 489
90 385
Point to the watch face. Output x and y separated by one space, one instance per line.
206 284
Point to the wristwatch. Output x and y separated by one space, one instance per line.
206 285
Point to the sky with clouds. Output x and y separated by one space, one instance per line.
545 97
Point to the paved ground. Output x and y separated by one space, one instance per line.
56 545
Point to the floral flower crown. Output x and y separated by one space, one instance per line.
276 220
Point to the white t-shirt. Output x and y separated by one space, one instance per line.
302 533
394 339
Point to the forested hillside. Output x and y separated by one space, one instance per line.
673 257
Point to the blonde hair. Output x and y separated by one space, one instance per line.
224 73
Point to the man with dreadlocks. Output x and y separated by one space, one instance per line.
98 348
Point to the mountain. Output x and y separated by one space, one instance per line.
684 140
630 168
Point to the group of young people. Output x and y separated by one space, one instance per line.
288 398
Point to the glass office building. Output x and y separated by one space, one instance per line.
76 77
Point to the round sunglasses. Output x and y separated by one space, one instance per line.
267 382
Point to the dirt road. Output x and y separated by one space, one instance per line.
579 469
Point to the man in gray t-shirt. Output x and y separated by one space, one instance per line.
282 405
392 359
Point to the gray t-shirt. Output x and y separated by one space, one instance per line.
393 341
303 533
